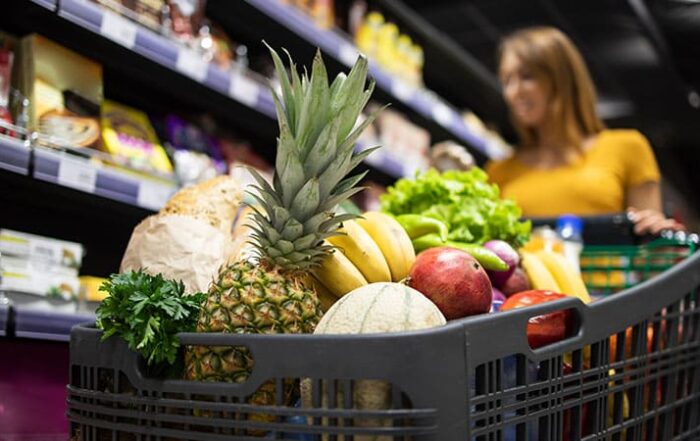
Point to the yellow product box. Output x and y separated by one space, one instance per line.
90 288
127 134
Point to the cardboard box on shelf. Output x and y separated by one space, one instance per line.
38 277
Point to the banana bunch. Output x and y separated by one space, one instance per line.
374 248
551 271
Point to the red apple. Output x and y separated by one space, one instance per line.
453 280
544 329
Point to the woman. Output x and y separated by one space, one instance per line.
567 161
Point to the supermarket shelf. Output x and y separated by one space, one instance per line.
48 4
14 155
82 174
46 324
46 319
4 316
421 101
247 89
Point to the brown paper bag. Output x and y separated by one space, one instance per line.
179 247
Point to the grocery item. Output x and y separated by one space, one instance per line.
570 229
294 215
417 226
567 277
147 311
544 329
46 71
465 201
453 280
128 135
517 282
38 277
392 241
41 249
186 18
506 253
486 257
149 13
6 61
538 274
375 308
338 274
363 252
190 238
90 288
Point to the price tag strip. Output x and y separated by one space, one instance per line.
78 174
118 29
154 195
244 90
192 64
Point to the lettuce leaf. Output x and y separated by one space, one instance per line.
469 205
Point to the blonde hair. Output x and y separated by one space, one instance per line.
554 60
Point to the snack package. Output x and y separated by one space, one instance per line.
128 135
186 17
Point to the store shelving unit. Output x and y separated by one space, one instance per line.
15 155
4 316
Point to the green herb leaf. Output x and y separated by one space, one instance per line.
147 312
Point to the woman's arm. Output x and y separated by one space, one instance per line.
644 202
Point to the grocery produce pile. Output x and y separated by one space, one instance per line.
296 264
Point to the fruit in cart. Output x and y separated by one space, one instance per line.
392 240
516 283
453 280
543 329
338 274
487 258
497 300
293 218
568 279
374 308
359 247
506 252
537 273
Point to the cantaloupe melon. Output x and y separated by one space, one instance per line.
374 308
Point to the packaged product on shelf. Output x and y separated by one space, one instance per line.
190 238
40 248
149 13
404 140
127 134
47 73
367 35
90 288
37 277
186 18
448 155
197 156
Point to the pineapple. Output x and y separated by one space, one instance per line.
290 222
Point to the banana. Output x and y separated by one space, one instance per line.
363 252
537 272
338 274
564 274
392 240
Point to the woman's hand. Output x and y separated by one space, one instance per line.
652 222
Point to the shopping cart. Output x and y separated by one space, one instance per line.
628 370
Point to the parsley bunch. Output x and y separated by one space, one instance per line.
147 312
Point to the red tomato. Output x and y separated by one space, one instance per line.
543 329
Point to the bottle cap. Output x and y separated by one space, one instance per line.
574 223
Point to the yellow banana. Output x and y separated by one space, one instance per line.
392 240
564 274
537 272
363 252
338 274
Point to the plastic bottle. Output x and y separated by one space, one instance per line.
570 229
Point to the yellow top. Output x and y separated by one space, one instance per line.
596 183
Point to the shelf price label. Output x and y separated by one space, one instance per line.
192 64
244 90
401 90
442 114
78 174
347 55
154 195
118 29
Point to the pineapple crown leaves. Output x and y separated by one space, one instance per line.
318 130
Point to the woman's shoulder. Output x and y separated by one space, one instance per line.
499 170
623 138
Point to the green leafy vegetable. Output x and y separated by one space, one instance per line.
465 201
147 312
